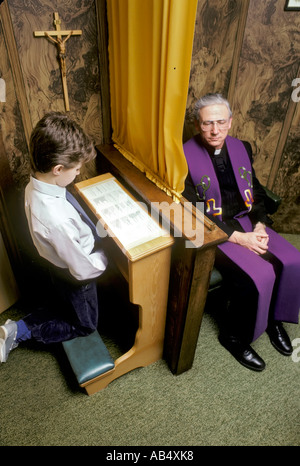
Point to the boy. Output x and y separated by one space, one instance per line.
58 149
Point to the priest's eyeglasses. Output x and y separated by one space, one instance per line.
209 125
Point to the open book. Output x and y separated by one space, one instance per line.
118 212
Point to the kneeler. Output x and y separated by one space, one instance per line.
88 357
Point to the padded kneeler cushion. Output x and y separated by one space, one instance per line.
88 357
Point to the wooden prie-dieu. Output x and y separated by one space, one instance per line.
141 249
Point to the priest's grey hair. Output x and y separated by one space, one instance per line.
210 99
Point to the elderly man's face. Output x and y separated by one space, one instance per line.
214 124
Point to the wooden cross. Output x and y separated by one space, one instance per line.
61 46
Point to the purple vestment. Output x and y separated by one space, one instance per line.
287 301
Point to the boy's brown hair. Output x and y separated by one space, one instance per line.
58 140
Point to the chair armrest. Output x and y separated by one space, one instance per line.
272 201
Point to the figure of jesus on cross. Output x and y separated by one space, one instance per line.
60 42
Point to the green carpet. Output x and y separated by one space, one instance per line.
216 403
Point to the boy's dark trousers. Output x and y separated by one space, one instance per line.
71 309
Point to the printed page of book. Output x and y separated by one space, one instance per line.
124 216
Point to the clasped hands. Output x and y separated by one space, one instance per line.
256 240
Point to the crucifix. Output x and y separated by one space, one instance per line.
56 36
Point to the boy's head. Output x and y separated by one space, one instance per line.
59 141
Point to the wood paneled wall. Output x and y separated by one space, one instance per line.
249 52
12 131
41 86
245 49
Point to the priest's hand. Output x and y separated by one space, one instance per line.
256 241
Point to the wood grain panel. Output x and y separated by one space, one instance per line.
104 68
268 64
263 109
287 185
11 123
12 53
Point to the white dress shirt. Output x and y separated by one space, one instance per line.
58 232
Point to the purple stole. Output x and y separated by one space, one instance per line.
287 303
204 177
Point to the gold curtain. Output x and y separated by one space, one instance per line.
150 48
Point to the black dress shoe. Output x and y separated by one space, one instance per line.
243 353
279 338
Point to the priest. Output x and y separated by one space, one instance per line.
261 270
